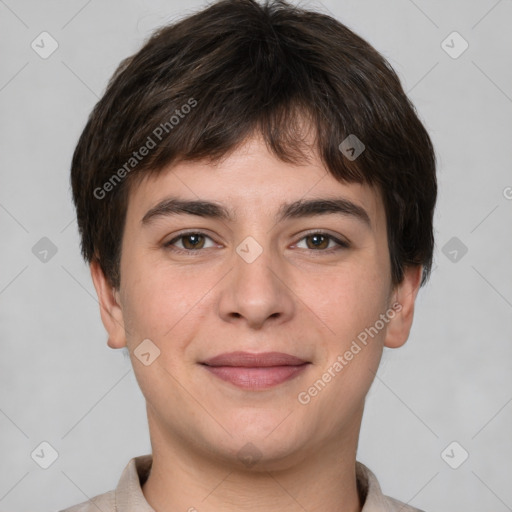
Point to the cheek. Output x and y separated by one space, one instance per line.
352 354
156 309
347 299
163 303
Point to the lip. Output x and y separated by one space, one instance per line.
251 360
255 371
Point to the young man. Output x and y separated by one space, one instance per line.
255 196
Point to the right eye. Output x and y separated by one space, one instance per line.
191 241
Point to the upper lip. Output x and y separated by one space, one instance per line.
252 360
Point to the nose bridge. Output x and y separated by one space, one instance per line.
256 265
255 289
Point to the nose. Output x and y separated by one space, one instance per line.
257 292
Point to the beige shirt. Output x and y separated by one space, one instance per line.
128 496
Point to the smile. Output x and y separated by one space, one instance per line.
255 371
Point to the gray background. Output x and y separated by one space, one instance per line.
59 381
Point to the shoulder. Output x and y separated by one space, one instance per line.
373 498
127 492
398 506
104 502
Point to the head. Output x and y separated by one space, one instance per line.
314 187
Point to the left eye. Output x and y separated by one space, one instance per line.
319 240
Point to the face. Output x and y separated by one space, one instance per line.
266 324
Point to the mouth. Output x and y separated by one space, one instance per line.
255 371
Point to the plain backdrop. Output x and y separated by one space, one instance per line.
452 382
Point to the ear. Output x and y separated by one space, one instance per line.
110 309
404 296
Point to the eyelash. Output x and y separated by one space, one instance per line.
341 244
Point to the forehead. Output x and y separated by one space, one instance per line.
250 180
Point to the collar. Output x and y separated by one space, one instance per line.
129 496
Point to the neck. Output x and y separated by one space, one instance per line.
184 477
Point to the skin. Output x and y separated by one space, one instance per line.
293 298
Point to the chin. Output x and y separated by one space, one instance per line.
275 447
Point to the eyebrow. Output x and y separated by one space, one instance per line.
301 208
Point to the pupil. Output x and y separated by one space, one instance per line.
193 239
317 240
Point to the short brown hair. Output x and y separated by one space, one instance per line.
199 87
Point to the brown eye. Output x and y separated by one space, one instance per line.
191 241
318 241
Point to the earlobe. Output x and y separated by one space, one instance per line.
110 308
404 297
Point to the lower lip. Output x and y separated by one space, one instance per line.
256 378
